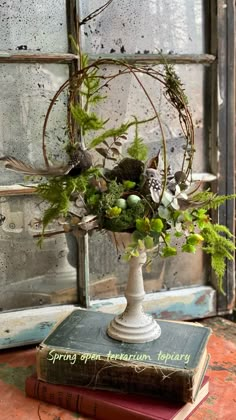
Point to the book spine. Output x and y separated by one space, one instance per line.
78 402
72 369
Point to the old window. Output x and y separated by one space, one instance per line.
198 37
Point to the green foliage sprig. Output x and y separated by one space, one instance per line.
138 150
58 191
210 200
219 247
107 194
87 121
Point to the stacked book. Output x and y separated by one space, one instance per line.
81 369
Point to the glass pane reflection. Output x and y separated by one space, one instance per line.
26 91
108 272
143 27
29 25
125 98
33 276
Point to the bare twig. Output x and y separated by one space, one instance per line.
95 13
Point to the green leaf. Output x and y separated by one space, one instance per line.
148 241
136 236
157 225
167 237
127 257
113 212
195 239
141 244
164 213
113 132
143 225
169 251
178 234
189 248
187 216
134 253
103 152
129 185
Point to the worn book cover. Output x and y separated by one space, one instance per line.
107 405
79 352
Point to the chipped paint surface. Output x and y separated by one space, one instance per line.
29 326
32 325
190 303
15 366
221 403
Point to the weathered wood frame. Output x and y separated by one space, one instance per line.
226 140
186 303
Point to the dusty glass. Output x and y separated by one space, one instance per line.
30 25
26 91
144 27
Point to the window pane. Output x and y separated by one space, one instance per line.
125 98
30 275
137 26
33 25
109 273
109 277
26 91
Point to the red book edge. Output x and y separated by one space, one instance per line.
104 405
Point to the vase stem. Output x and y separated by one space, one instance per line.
135 290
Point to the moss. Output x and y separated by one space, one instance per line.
126 220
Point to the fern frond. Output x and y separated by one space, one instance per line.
223 229
50 214
58 191
113 132
219 247
85 120
219 267
211 200
138 150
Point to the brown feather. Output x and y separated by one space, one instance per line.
17 165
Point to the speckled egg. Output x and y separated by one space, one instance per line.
121 203
132 200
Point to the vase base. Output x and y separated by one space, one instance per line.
122 329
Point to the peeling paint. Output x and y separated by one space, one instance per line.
15 375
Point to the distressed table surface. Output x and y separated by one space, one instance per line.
221 403
17 364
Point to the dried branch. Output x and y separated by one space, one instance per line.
95 13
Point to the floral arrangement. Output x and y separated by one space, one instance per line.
137 195
122 189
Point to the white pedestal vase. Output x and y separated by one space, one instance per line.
133 325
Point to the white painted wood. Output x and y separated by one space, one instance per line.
23 327
160 301
30 326
133 325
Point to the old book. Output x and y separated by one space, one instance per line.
79 352
107 405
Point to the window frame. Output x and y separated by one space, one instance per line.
196 302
